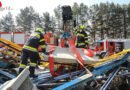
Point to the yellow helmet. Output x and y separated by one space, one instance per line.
39 30
81 27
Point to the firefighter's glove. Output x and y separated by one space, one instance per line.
75 29
43 50
39 62
46 53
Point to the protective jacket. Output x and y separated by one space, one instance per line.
82 39
34 41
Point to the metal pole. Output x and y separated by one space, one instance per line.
105 85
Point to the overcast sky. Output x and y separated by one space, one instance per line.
46 5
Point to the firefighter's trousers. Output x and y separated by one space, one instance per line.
33 56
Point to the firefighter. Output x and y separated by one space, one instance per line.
82 38
30 50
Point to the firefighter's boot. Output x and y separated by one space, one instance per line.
20 70
32 71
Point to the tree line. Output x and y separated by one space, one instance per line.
100 20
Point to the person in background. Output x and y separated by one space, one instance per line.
82 38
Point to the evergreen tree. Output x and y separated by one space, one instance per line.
53 24
37 21
7 23
76 12
25 19
47 22
83 18
58 15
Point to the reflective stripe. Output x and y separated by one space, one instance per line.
43 46
80 34
33 64
86 41
34 34
30 48
38 35
81 44
41 40
86 37
22 65
75 29
76 32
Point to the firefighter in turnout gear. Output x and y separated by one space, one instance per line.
82 38
30 50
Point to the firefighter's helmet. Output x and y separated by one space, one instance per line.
82 27
39 30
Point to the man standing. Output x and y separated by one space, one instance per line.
30 50
82 38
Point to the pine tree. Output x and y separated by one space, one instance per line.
58 16
47 22
76 12
7 23
25 19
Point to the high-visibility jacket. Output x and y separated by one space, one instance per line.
34 41
82 39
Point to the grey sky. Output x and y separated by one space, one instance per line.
41 6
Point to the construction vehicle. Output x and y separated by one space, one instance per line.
108 47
